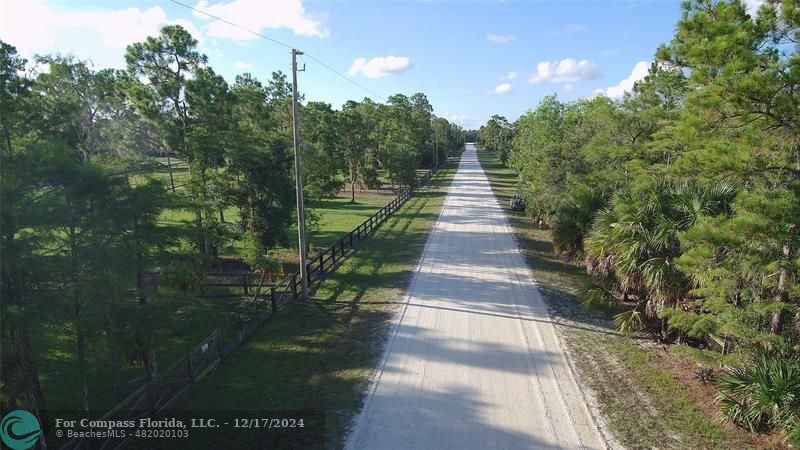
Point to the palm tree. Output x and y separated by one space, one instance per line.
573 220
636 238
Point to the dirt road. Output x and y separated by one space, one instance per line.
474 360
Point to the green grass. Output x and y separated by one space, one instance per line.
339 216
644 405
336 217
710 358
320 355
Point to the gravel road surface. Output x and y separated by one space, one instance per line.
474 361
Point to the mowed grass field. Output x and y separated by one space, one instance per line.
646 392
320 355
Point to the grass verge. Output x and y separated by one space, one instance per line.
645 392
320 355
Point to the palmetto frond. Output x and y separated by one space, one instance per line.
638 235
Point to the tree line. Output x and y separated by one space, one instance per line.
81 203
682 199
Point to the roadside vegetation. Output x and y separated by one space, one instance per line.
122 189
681 201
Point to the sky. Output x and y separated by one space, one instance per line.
471 58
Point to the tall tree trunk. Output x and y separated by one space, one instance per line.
201 235
112 356
80 341
80 332
146 340
783 289
352 190
22 389
146 344
9 272
208 246
783 278
169 168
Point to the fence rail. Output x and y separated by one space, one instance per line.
156 395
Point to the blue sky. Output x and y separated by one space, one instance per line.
472 58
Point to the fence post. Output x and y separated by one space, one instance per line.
333 255
294 285
245 281
273 301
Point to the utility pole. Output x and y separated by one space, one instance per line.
435 152
298 173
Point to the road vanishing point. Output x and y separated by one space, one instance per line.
474 361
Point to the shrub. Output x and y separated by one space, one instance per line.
185 273
629 321
573 220
595 298
764 395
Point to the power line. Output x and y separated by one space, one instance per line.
345 77
231 24
283 44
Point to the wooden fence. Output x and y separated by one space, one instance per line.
155 396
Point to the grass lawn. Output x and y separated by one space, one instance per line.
338 215
320 355
646 392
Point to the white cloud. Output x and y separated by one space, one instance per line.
258 16
639 71
242 65
380 66
500 38
34 27
569 29
500 89
565 71
568 88
509 76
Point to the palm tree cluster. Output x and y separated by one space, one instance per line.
634 241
